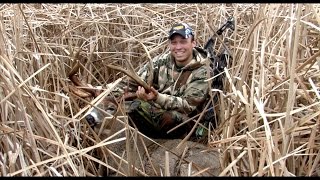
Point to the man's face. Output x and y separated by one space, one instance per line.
181 49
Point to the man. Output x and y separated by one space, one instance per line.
179 90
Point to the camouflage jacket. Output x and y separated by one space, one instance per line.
186 97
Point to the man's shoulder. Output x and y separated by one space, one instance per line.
203 69
163 56
162 59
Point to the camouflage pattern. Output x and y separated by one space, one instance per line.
180 101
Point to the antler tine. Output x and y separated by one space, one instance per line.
86 92
151 68
132 74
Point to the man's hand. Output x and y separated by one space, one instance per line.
143 95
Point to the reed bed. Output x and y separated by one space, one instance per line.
269 108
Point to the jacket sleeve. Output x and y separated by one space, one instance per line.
194 95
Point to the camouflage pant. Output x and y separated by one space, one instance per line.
155 122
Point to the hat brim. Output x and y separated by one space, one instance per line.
182 33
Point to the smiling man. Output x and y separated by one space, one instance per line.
179 87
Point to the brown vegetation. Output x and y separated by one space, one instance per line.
269 107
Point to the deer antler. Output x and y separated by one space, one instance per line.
87 91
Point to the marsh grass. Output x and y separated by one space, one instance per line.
269 109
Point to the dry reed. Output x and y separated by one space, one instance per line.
269 109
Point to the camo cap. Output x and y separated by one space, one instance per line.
181 28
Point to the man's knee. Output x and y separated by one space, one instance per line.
167 120
173 118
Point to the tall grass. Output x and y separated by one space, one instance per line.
269 109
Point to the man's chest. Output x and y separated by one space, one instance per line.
173 82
